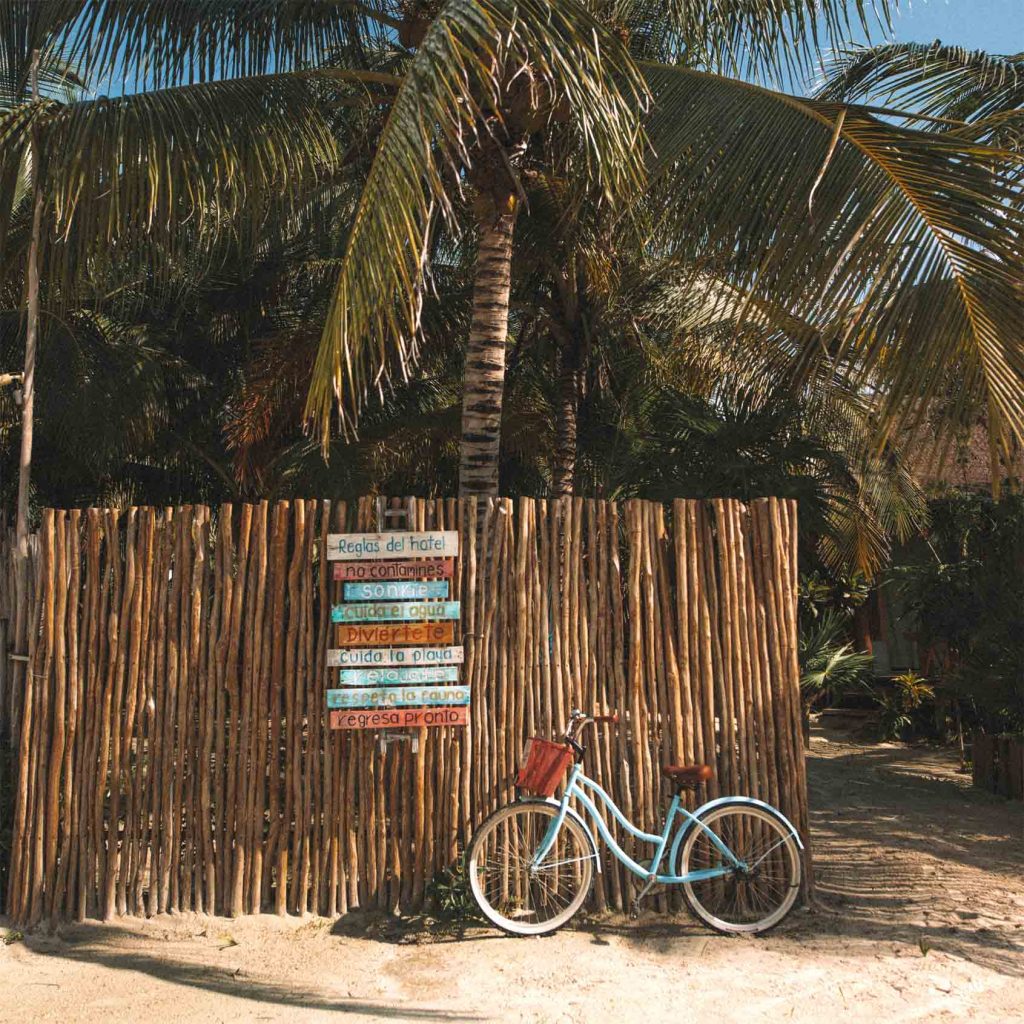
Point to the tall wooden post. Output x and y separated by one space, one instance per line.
22 567
31 332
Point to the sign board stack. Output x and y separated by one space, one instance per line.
398 666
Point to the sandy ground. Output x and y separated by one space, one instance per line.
920 917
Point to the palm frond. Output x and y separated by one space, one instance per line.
177 42
902 247
761 39
927 79
171 164
458 73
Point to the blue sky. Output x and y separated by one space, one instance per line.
993 25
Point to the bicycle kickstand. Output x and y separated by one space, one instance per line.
634 907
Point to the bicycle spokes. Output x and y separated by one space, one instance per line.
756 893
514 888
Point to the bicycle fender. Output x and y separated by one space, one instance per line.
577 817
721 801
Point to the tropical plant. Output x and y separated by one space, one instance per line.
829 664
963 94
624 260
965 592
897 702
928 80
451 898
890 244
217 128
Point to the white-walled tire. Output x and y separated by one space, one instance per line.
515 897
750 902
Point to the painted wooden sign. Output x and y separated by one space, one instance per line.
399 718
395 611
380 656
398 676
396 633
396 588
349 547
412 590
425 569
397 696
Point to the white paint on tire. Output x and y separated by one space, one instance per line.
795 866
518 927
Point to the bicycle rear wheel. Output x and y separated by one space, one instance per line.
518 897
760 895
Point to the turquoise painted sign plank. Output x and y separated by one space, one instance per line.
377 657
397 611
397 696
398 676
409 591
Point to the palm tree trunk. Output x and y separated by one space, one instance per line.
31 338
564 462
484 382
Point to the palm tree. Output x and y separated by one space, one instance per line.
217 128
487 77
864 229
815 213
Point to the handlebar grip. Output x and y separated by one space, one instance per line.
612 719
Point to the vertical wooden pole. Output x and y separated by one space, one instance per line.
28 399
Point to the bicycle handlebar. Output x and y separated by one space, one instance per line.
578 721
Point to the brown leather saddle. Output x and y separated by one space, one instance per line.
687 776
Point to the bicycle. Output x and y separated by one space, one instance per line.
531 863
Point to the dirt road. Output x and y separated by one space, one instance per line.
921 917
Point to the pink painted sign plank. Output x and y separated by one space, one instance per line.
423 569
399 718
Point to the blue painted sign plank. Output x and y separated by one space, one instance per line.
397 697
376 657
410 591
397 611
398 676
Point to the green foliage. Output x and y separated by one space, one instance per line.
898 700
450 897
933 80
968 599
462 87
819 593
829 664
715 292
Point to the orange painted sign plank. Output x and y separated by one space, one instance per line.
424 569
399 718
381 634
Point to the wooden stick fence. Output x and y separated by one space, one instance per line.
172 744
998 764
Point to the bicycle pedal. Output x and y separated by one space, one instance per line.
634 910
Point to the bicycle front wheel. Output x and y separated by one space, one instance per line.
515 894
756 896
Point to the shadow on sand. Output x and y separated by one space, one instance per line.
103 944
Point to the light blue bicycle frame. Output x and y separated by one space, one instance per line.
577 788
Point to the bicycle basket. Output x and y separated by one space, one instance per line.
545 765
